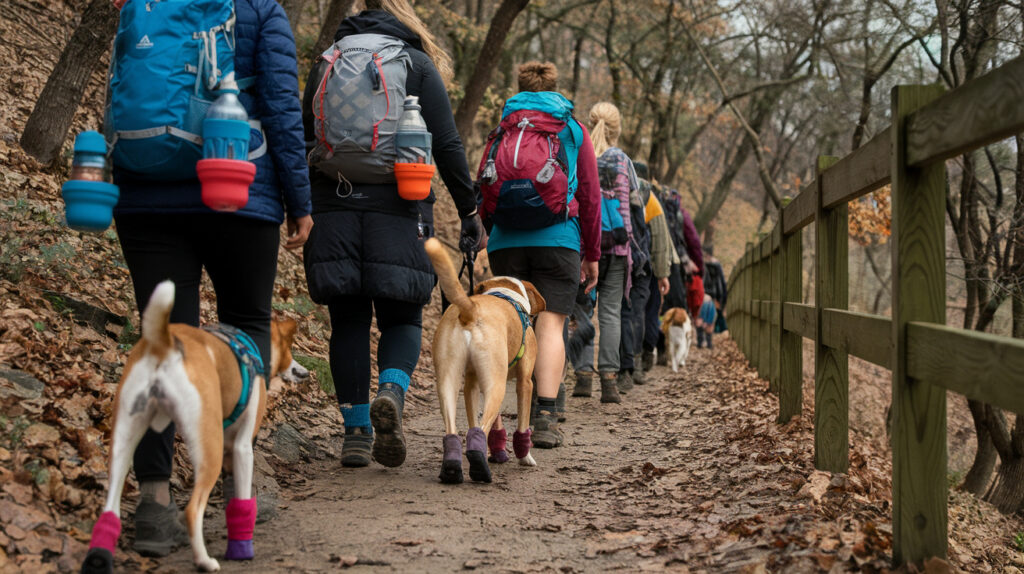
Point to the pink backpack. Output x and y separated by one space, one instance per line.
525 174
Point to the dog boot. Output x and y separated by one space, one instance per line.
157 527
647 360
266 499
609 388
624 381
451 465
476 454
522 443
355 451
100 559
386 417
560 402
241 520
584 382
639 377
546 433
497 440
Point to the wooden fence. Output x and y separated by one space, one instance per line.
926 358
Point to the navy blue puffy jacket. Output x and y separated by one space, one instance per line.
265 51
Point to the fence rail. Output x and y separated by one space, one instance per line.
769 321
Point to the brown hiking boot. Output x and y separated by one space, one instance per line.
609 388
546 433
584 383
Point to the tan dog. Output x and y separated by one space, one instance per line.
485 340
678 330
191 377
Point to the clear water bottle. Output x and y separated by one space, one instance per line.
226 127
90 159
412 138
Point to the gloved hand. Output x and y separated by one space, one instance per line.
473 237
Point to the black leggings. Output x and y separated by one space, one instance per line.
240 256
400 324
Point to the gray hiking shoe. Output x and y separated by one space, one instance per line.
609 388
355 451
639 378
647 360
546 433
625 382
158 528
584 384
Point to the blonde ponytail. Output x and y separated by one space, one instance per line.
606 125
406 14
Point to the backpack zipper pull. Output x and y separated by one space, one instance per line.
522 125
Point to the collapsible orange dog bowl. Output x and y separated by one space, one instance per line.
225 182
414 180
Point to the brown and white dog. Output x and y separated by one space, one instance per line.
189 376
483 340
678 330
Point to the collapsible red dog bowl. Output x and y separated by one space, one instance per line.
414 180
225 182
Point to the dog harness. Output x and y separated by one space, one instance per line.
250 363
524 318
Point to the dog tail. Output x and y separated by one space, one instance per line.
449 280
156 318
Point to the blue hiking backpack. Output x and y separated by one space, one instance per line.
171 59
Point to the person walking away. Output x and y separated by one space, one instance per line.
365 255
555 246
166 232
706 322
618 179
666 264
714 285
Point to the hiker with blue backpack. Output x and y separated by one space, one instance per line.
541 198
365 255
240 54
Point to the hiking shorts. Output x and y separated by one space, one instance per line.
554 271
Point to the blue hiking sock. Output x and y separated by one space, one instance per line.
356 415
396 376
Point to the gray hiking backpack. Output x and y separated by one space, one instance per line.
357 107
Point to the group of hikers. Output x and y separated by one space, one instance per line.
611 238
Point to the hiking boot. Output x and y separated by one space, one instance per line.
647 360
662 359
355 451
584 382
609 388
624 381
560 402
158 529
545 430
386 417
639 378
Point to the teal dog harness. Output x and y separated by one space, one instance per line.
524 318
250 363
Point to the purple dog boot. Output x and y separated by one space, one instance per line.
451 465
521 444
240 550
496 442
476 454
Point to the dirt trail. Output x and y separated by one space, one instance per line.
657 482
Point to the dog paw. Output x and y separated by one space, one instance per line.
498 457
478 469
527 460
207 565
451 471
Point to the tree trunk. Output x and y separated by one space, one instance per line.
980 474
576 65
47 127
1008 491
502 22
336 12
293 9
614 66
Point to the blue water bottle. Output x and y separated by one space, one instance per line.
88 199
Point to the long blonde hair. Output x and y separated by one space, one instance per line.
606 125
406 14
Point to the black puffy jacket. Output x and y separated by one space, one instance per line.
367 242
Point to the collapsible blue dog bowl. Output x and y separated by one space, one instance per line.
89 205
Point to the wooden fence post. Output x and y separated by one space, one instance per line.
790 344
831 372
774 323
748 296
765 283
919 488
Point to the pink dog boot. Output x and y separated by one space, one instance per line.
521 443
100 558
241 519
496 442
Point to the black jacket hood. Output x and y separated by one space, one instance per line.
377 22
